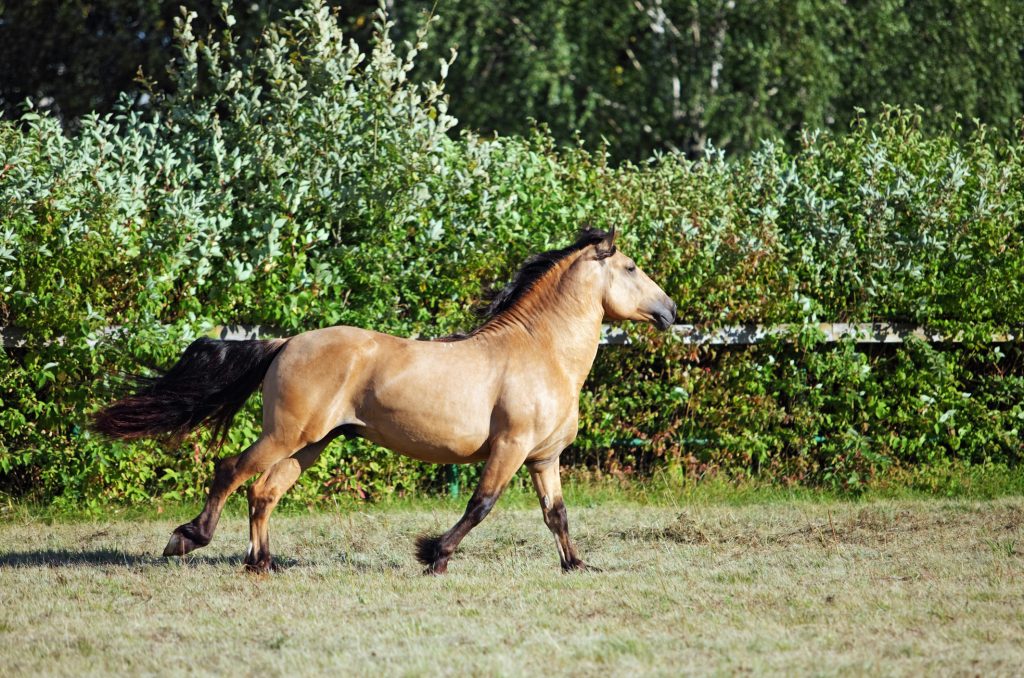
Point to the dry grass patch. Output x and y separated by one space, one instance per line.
904 587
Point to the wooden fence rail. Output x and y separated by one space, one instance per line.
736 335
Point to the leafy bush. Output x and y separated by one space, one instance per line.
312 183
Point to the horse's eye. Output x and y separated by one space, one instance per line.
631 268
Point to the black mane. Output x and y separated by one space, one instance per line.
533 269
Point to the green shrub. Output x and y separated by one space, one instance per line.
312 184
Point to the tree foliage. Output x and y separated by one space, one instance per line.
643 76
653 75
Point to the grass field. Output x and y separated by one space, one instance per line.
894 587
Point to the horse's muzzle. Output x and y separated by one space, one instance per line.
664 314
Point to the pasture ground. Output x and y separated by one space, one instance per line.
892 587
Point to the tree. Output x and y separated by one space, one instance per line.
641 75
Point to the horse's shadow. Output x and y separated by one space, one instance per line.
54 558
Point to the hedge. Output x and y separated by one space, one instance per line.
311 183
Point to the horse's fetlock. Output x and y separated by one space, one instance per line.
430 550
194 533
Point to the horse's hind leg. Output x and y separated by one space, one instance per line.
229 474
264 495
548 484
504 461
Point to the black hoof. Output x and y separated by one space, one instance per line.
436 568
178 545
185 539
263 566
577 565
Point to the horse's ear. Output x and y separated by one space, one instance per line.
606 246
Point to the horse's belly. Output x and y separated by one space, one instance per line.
431 443
443 428
429 401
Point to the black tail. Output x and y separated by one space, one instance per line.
208 385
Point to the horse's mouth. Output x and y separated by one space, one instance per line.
662 321
664 315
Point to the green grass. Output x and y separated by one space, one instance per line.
666 488
817 586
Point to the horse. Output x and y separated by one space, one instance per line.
505 394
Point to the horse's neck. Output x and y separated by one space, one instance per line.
575 346
562 328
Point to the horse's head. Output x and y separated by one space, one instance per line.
628 294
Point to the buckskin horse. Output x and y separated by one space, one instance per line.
506 394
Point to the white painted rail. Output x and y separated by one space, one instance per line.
735 335
860 333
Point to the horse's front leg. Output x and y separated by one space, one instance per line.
501 465
548 484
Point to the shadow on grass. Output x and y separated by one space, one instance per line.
71 558
107 557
